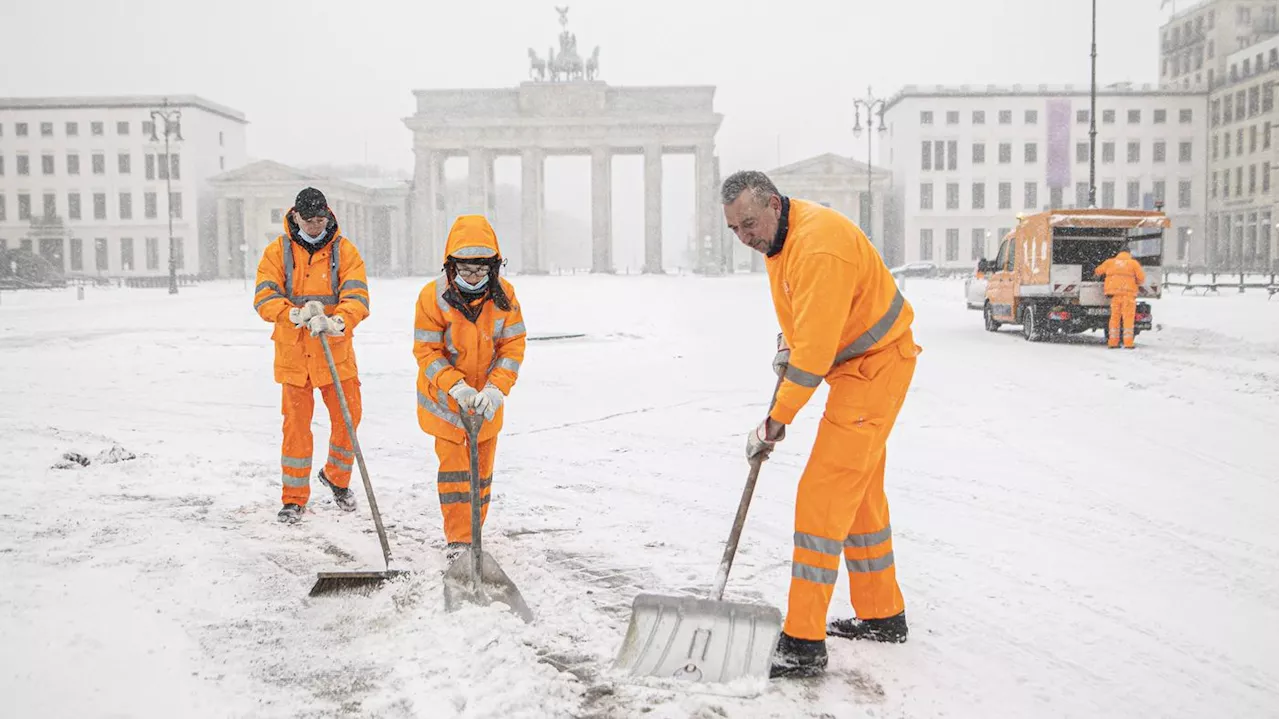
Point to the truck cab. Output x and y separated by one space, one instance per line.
1042 276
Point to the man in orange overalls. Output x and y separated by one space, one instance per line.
842 320
1123 276
311 280
469 341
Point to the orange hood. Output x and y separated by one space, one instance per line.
471 238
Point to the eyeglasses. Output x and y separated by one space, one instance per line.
473 270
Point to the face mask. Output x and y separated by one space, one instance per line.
468 286
308 238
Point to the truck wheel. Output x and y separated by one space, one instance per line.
1030 331
991 324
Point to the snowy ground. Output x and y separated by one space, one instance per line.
1078 532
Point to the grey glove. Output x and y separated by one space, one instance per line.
782 358
762 439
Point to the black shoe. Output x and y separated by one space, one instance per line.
290 513
890 629
454 549
798 658
342 496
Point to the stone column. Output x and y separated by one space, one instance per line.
420 252
224 240
490 190
531 194
705 202
653 209
394 265
478 174
601 210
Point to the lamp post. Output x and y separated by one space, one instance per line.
874 107
172 118
1093 105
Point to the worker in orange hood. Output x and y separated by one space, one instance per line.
843 321
311 280
1123 276
468 339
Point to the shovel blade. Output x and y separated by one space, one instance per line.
495 586
328 583
698 640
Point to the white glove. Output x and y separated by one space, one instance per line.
330 325
488 401
783 358
295 316
464 394
313 308
762 439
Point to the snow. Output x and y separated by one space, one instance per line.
1078 532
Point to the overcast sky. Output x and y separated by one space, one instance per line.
331 81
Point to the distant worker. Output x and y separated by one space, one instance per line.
843 321
1123 278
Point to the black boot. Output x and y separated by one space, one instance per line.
798 657
890 629
454 549
290 513
342 496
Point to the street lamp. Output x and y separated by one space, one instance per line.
874 107
1093 106
172 118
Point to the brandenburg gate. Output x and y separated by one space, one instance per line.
564 110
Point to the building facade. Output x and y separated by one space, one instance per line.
84 181
1196 44
966 160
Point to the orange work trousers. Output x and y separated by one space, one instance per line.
841 506
454 484
1123 308
297 405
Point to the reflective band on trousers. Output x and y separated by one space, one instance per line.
856 348
822 545
868 540
287 251
464 478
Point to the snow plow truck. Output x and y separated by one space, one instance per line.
1042 277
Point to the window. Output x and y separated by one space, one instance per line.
1082 117
1 163
46 164
1215 112
46 129
979 195
1239 181
1029 195
1226 183
153 253
148 129
1240 141
1213 185
952 151
1266 177
1108 152
1240 104
1134 152
979 153
1214 142
977 244
926 117
1255 101
1134 117
220 144
953 245
122 128
926 244
24 206
1157 190
1184 116
926 195
1266 139
1268 97
1082 194
73 129
73 164
20 129
99 205
979 117
1184 150
175 205
99 163
953 117
151 166
1158 117
100 254
95 129
126 205
50 205
1006 117
1029 152
1158 151
24 165
1082 152
1253 179
1108 117
77 254
1055 197
149 205
1253 138
1006 153
3 210
1005 191
939 155
1184 194
73 205
953 195
179 254
174 166
123 163
1108 194
126 254
1133 194
1029 117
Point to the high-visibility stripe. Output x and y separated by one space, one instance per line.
869 539
444 413
473 251
508 364
819 575
802 378
427 336
815 543
514 330
267 285
863 566
291 481
460 498
354 285
874 333
337 462
341 451
295 462
267 299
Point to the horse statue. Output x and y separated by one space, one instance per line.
593 64
537 66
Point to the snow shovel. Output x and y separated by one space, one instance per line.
336 582
474 577
704 640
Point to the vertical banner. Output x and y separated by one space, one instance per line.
1058 167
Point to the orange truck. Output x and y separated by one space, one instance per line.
1042 277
